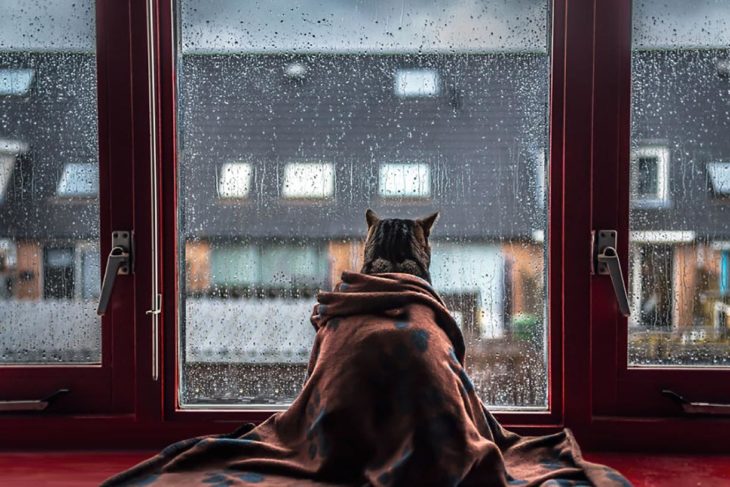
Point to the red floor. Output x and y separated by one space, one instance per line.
79 469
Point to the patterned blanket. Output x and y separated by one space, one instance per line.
387 401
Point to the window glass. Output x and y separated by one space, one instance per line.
342 106
90 271
650 173
48 148
679 215
720 177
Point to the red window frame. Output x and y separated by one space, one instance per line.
589 142
104 388
534 422
627 407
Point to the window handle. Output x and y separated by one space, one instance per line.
608 263
118 262
24 405
691 407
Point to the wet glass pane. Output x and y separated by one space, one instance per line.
296 117
49 212
680 168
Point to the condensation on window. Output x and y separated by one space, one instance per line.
680 210
49 257
336 107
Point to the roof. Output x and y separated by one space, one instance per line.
483 136
53 124
690 118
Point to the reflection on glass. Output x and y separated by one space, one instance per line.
336 107
680 210
49 258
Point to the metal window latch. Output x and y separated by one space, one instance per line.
119 262
24 405
606 262
691 407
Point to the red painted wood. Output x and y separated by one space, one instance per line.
652 470
555 217
148 397
79 469
64 469
612 70
117 142
169 206
576 210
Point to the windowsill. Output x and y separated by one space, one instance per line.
651 204
87 468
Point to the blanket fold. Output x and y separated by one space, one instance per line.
387 401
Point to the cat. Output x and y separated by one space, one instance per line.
398 245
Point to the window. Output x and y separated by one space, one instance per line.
88 272
540 179
237 336
674 267
252 321
234 266
405 181
650 169
15 81
308 181
295 71
6 173
651 162
79 179
336 145
58 273
234 180
720 177
725 273
9 150
415 83
47 311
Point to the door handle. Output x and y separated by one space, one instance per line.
119 262
606 262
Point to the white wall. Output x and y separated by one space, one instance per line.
473 267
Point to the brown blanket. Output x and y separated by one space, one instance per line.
386 402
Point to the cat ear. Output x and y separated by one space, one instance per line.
371 217
427 223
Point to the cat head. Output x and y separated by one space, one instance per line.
398 245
